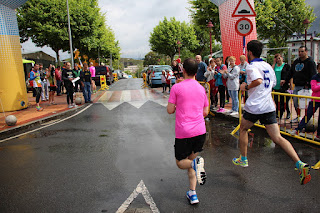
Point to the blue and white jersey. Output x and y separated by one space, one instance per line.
260 100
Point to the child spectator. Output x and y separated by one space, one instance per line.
189 100
52 84
315 86
35 77
168 80
163 80
232 76
57 75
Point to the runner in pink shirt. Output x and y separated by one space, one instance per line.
189 101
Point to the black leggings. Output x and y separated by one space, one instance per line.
222 93
69 88
38 91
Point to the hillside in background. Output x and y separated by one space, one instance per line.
130 62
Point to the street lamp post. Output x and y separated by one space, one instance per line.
70 38
210 26
311 41
306 22
178 42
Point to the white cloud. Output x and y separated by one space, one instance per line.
133 21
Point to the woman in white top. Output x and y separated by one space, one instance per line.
232 76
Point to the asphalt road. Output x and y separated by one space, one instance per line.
94 161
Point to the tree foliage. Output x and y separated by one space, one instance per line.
277 20
167 33
274 18
46 23
203 11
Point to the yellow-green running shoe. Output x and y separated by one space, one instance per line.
304 172
239 162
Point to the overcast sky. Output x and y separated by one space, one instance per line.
132 22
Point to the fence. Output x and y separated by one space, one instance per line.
287 99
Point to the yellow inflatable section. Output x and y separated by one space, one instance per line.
13 92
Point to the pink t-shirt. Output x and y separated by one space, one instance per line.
92 71
190 98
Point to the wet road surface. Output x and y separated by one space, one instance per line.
95 160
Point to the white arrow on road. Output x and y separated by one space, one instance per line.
141 188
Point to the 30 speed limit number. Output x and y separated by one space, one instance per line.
244 26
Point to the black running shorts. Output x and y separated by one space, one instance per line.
185 146
266 118
52 89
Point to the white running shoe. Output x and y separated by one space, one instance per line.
198 166
234 113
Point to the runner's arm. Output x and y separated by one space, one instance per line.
205 111
171 108
253 84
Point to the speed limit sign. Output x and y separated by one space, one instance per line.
244 26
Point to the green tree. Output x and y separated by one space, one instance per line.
167 33
151 58
203 11
44 25
277 20
45 22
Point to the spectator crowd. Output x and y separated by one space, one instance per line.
302 77
50 81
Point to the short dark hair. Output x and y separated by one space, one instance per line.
255 47
277 55
318 66
305 48
191 66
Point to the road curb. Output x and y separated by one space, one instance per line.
30 125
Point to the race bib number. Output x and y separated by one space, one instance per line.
266 78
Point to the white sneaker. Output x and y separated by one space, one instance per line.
70 106
234 113
229 111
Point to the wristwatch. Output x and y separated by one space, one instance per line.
246 87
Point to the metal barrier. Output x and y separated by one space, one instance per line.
115 77
284 130
144 84
206 86
103 83
304 137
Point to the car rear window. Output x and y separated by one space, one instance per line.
159 69
101 70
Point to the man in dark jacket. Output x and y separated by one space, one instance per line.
202 68
302 70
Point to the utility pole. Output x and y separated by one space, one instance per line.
70 38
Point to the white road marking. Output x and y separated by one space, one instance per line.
163 102
106 96
125 96
137 104
141 188
50 124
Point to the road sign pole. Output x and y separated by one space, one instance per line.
244 45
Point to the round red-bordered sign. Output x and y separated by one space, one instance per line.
244 26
